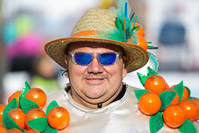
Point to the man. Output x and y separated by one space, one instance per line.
96 62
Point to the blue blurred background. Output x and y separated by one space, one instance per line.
26 25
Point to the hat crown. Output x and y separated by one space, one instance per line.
95 20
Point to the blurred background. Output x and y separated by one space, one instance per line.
26 25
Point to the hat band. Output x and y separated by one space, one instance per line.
91 33
85 33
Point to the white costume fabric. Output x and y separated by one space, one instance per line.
122 116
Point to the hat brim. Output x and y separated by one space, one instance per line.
136 56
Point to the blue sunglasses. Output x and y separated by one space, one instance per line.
86 58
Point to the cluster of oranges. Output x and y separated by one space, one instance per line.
56 118
179 108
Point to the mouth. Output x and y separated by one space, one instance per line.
95 80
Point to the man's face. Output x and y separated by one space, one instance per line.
95 83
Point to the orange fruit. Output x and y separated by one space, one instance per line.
37 95
166 86
185 93
15 95
196 100
140 32
2 128
174 116
32 131
176 98
149 103
14 130
58 117
190 108
18 116
33 114
2 107
155 84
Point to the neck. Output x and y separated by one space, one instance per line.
98 102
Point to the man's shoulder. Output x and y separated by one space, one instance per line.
132 88
55 94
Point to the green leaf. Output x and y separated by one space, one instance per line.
139 93
187 127
179 88
50 130
39 124
156 122
19 101
24 91
27 104
27 85
192 97
151 72
50 106
166 98
7 121
142 78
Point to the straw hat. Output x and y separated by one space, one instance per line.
93 23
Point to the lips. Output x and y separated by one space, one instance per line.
95 77
95 80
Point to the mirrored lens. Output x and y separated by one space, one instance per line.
107 58
83 58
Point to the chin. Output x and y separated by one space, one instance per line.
95 100
94 93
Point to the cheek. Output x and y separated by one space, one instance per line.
112 70
115 72
76 71
116 69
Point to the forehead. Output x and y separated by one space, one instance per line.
84 46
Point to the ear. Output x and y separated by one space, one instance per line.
124 73
66 61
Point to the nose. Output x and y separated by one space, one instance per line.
95 67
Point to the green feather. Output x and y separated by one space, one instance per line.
115 35
132 17
121 9
118 24
123 12
121 16
153 61
134 28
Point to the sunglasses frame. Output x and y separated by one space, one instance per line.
72 55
